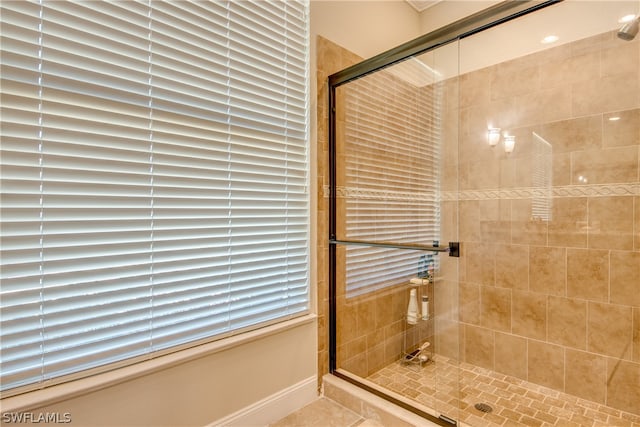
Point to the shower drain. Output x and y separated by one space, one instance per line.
483 407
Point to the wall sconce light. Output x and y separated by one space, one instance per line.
493 136
509 143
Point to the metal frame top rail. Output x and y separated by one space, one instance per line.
465 27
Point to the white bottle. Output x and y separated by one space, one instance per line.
425 307
412 310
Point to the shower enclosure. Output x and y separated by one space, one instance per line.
484 218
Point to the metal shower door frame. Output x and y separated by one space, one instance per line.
485 19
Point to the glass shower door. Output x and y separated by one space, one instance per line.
396 212
549 218
524 148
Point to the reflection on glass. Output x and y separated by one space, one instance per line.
542 178
390 155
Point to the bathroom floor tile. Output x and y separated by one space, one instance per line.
513 401
323 413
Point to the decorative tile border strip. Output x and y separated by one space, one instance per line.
369 194
591 190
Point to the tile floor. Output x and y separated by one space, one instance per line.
325 413
514 402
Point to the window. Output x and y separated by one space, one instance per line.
154 178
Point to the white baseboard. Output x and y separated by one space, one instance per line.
273 407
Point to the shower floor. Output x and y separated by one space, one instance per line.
514 402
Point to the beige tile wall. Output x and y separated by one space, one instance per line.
555 300
331 58
372 331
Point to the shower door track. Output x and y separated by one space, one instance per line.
488 18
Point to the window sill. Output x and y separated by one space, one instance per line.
60 392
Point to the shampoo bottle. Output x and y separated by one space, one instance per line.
412 309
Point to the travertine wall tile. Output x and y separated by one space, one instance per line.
572 69
482 174
546 364
625 272
475 88
480 263
469 220
568 223
495 308
525 228
604 94
529 315
588 274
636 223
479 346
512 266
636 334
623 385
561 169
469 303
567 322
495 221
392 348
610 330
509 82
448 337
611 222
620 59
445 299
548 270
585 375
511 355
603 166
583 133
545 105
621 128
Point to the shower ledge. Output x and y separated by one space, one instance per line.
368 405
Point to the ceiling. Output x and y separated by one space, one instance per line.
421 5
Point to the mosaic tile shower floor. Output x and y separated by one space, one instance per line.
514 402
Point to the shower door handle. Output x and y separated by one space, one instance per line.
453 248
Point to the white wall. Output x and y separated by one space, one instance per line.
366 28
449 11
370 27
208 384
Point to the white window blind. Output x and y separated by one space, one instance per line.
154 178
391 157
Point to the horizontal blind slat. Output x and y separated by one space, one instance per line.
154 189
